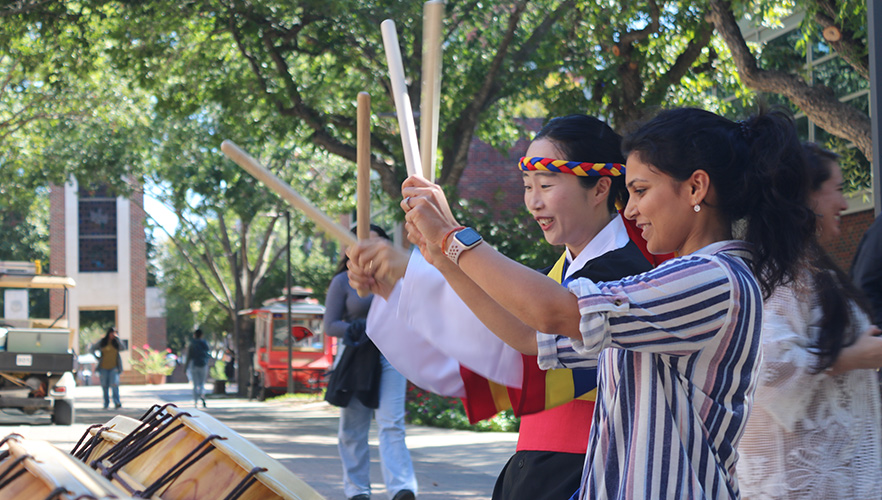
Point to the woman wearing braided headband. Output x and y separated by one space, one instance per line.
452 353
678 346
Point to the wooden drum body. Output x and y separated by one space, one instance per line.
36 470
172 454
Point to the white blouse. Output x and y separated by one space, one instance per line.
810 435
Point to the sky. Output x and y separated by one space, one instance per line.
160 214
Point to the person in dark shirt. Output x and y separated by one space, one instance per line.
866 269
198 357
110 366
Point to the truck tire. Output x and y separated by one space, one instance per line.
63 412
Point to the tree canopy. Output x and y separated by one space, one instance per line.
135 94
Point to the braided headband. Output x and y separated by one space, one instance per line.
571 167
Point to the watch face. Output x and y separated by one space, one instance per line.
468 236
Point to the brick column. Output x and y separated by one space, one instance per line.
139 278
57 252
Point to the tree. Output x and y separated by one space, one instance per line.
298 66
849 39
63 111
628 58
158 85
228 237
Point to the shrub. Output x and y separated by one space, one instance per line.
426 408
150 361
216 372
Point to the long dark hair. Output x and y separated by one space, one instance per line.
341 266
835 292
106 339
586 139
758 168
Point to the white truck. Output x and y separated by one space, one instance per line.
37 358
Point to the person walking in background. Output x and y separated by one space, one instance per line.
198 357
230 365
363 380
866 269
110 366
815 428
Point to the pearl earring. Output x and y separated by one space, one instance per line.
697 208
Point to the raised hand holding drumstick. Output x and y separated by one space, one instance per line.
428 214
376 265
363 273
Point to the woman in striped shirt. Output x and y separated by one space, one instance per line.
428 331
678 346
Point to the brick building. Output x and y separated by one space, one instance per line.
98 239
854 224
494 177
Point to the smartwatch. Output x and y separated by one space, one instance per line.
462 240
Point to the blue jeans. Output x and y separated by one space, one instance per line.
110 379
355 422
198 374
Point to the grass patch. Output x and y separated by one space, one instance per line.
299 397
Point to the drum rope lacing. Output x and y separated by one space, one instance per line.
242 487
178 468
86 450
156 425
3 480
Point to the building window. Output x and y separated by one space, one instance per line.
97 229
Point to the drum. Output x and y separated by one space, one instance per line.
36 470
172 454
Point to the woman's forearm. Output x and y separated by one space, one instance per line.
494 316
535 299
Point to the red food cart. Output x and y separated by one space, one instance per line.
311 352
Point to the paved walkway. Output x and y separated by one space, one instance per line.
449 464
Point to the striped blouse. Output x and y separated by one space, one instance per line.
676 384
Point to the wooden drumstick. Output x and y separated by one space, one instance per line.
402 100
261 173
363 161
433 14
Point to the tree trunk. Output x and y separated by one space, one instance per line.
244 354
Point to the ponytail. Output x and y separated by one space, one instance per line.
775 203
757 168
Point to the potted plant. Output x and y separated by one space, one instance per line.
152 364
219 375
